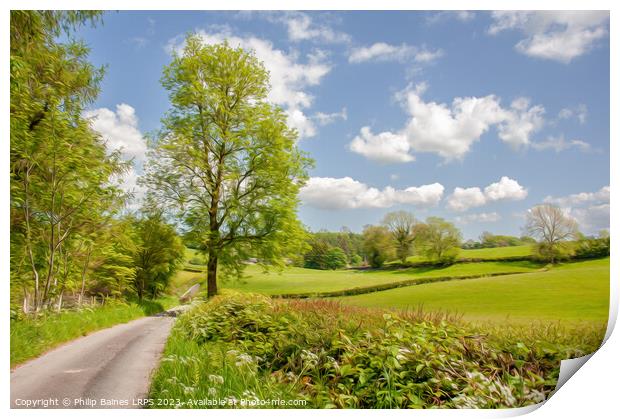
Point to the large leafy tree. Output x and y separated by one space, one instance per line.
378 245
225 161
60 170
401 224
439 239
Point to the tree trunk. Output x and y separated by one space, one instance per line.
84 277
212 274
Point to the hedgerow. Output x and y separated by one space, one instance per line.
337 356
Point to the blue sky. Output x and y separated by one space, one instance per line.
474 117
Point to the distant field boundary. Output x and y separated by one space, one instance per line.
398 284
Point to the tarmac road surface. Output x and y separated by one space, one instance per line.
110 368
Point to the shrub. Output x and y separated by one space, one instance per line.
592 248
337 356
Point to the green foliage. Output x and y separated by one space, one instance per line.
593 248
159 253
334 356
378 245
336 258
31 336
321 255
356 260
62 189
401 225
224 162
438 239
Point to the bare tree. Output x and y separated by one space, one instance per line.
552 227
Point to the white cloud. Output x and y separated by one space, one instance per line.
381 51
505 189
593 218
580 113
301 28
463 199
560 144
385 147
347 193
289 77
329 118
449 130
554 35
521 122
119 130
483 217
461 15
590 209
600 196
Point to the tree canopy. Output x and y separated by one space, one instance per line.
225 163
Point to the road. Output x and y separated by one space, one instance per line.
107 369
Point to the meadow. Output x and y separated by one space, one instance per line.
577 291
301 280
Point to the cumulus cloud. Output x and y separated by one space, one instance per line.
483 217
463 199
590 209
381 51
301 27
449 130
521 122
119 129
385 147
560 144
506 188
347 193
290 77
600 196
554 35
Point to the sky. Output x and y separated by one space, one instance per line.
471 116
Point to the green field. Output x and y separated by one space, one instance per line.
300 280
573 292
487 253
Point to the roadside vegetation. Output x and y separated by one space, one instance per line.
32 336
244 348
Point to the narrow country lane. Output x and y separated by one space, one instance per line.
107 369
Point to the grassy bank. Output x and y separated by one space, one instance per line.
244 349
30 337
573 292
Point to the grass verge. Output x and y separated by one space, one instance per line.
30 337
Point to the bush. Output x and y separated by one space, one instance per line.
356 260
592 248
335 259
338 356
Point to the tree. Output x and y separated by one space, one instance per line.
158 254
400 224
225 161
378 245
335 258
316 256
553 228
439 239
60 170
